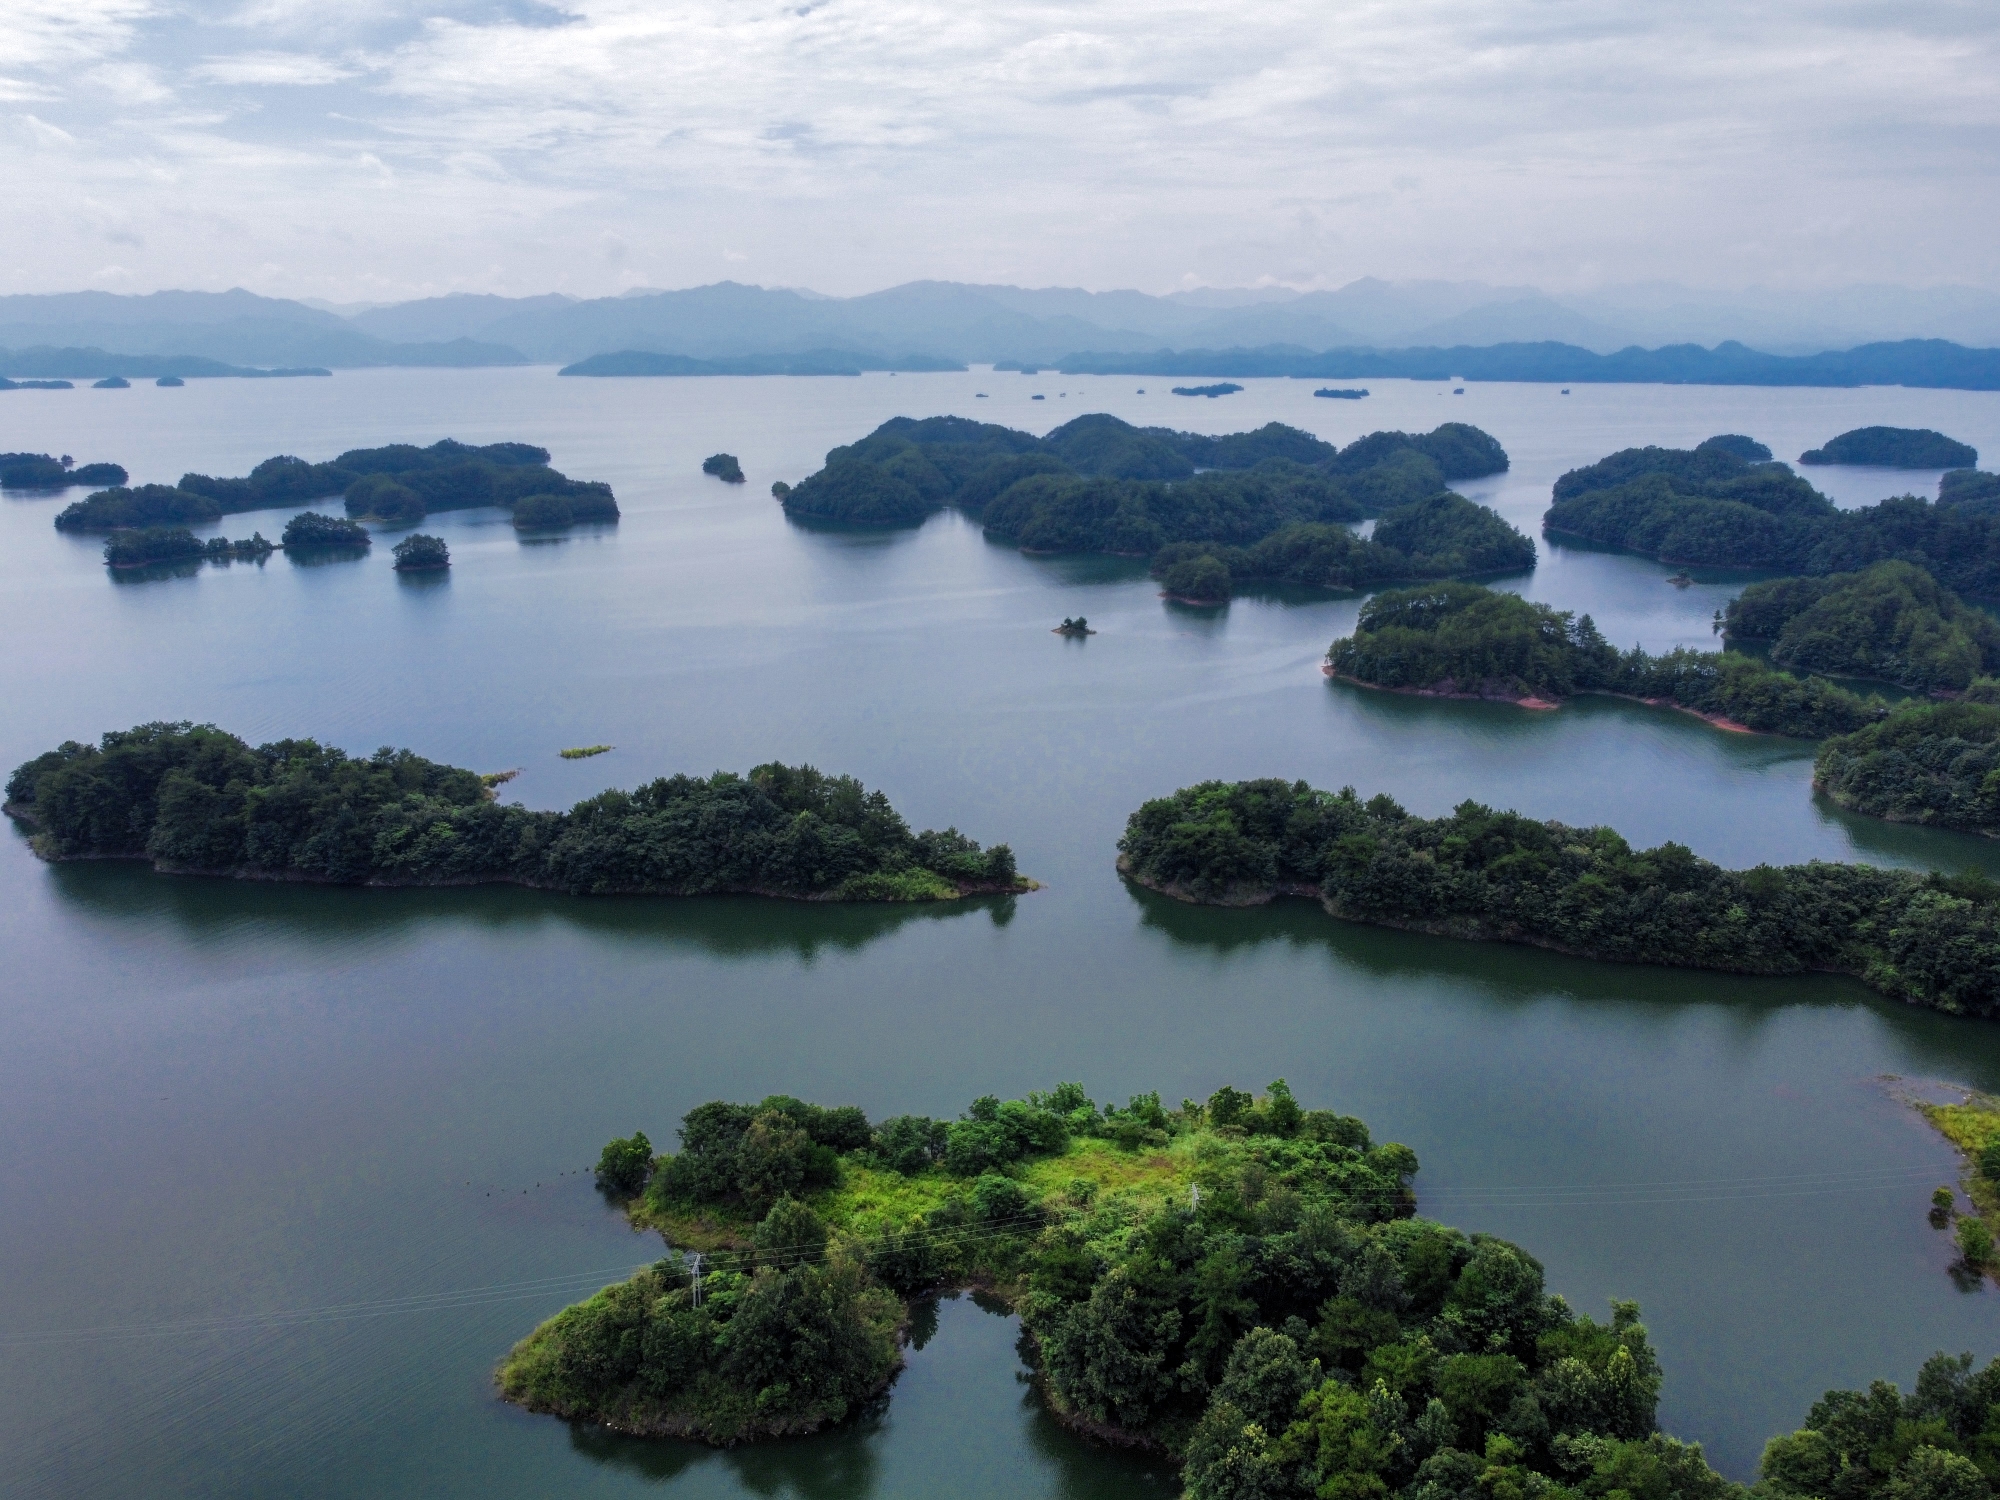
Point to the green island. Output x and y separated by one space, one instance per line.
310 531
399 484
1459 640
1241 1283
1892 621
584 752
111 383
1894 448
1714 505
38 471
192 799
1211 512
176 544
1220 388
1930 940
1341 393
1934 763
419 553
1441 536
724 467
1076 627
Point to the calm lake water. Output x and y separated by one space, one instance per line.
287 1170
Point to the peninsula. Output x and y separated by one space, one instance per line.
1458 640
1933 763
192 799
1713 505
1500 877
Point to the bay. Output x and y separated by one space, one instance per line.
288 1169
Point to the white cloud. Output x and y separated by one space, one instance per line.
855 142
299 69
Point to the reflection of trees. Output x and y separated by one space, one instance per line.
205 910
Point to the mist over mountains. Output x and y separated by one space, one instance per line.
951 321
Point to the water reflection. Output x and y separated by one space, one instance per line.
964 1418
207 911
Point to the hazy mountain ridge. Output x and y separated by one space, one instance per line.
970 323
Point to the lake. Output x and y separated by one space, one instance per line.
289 1169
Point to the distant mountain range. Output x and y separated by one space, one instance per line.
951 323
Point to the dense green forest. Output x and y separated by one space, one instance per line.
724 467
1461 639
401 484
1211 511
1893 621
1940 1442
38 471
1499 876
1441 536
1713 505
418 553
195 799
1241 1283
1936 763
176 544
309 529
1894 448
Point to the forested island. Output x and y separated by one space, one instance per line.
1892 621
1211 511
1718 506
399 484
192 799
38 471
1935 763
1240 1283
724 467
1341 394
176 544
1894 448
1220 388
418 553
1500 877
1463 641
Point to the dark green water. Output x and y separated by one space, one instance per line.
289 1169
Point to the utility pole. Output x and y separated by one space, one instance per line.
1194 1197
694 1277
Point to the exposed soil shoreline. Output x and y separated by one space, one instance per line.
1534 701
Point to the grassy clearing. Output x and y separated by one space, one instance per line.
1970 1125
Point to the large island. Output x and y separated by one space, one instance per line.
1931 940
192 799
400 484
1717 505
1240 1281
1212 512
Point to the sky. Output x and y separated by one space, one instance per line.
373 150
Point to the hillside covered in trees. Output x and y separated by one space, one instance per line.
1498 876
1935 763
193 799
1894 448
1891 621
1720 505
1461 640
1240 1282
1270 504
400 484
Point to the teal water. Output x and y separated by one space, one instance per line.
288 1168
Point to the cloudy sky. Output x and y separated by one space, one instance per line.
378 149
